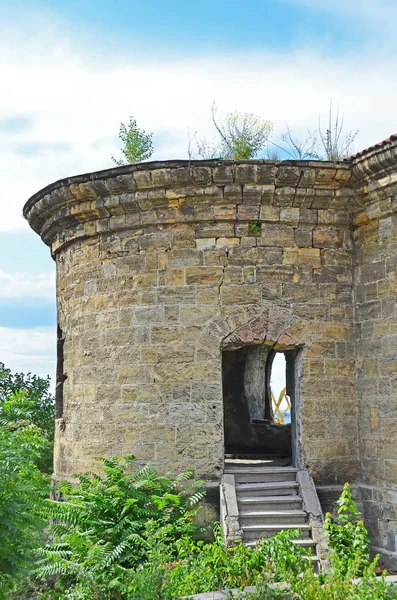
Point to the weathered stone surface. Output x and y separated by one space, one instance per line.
159 270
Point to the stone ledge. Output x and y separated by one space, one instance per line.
162 194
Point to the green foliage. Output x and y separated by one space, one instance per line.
137 144
22 487
106 527
241 136
133 537
199 566
348 538
37 405
255 228
338 586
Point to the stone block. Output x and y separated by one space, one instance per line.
339 368
225 213
205 243
185 257
303 237
233 275
203 275
232 242
176 295
245 173
288 176
149 354
129 374
276 235
240 294
270 214
208 295
176 353
197 315
289 216
327 238
175 277
274 274
255 256
222 174
266 174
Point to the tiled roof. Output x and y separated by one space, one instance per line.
390 139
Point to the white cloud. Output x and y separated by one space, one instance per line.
76 102
22 285
29 350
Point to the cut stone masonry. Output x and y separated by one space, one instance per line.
158 273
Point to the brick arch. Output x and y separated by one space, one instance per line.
271 325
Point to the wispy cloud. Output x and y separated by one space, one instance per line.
22 285
78 101
33 350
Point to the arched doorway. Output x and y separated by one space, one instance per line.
259 401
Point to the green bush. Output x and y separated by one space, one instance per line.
22 488
203 567
133 536
37 406
106 527
348 538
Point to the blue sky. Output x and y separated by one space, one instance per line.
71 71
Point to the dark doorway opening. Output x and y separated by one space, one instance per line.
258 401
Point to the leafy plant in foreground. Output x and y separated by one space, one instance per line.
22 489
201 566
105 527
348 538
35 405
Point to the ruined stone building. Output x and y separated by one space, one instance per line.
178 281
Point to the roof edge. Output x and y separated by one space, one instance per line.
115 172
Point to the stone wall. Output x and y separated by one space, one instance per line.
159 270
376 334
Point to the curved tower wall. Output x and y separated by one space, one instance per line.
159 269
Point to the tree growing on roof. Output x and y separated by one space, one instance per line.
137 144
240 136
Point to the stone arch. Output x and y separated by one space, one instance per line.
274 326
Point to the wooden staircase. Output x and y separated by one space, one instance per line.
267 500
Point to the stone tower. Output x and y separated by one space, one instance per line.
175 279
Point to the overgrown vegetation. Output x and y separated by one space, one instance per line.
329 142
241 136
132 534
348 537
26 438
105 528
